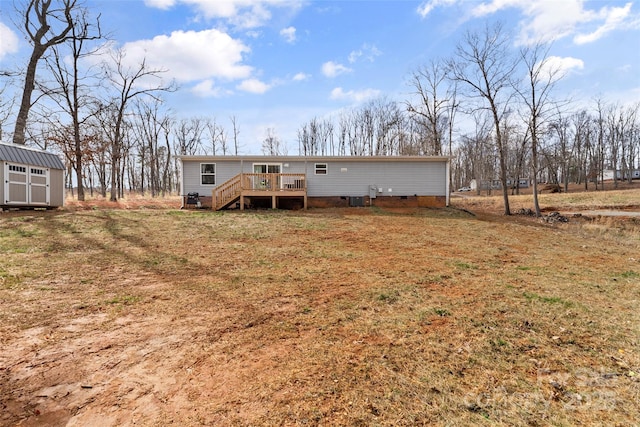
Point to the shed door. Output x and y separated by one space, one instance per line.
26 185
38 186
15 184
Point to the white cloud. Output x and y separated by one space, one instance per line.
546 20
289 34
613 18
493 6
189 56
354 96
368 52
427 7
625 68
254 86
206 89
333 69
160 4
241 13
300 77
8 41
555 67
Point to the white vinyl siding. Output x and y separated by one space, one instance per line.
353 178
345 177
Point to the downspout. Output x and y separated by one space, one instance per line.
448 183
181 175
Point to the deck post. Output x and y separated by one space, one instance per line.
305 201
274 203
241 202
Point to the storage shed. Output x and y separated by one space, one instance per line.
32 178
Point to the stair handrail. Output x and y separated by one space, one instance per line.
228 191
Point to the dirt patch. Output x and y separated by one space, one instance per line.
329 317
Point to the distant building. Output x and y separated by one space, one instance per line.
608 175
496 184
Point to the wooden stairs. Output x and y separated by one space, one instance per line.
227 193
259 185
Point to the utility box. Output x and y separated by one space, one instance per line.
356 202
373 191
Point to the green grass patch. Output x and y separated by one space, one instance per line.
629 275
389 297
465 265
123 300
547 300
9 281
442 312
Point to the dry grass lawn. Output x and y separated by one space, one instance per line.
355 317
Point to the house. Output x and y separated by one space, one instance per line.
496 184
620 175
32 178
290 182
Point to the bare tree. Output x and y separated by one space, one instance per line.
631 141
580 122
484 65
6 105
435 100
387 117
150 125
236 133
46 24
599 148
99 147
73 94
541 79
560 129
188 135
452 110
127 82
621 127
480 153
216 135
314 137
271 145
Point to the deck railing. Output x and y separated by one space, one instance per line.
269 183
273 181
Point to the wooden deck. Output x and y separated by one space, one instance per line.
272 185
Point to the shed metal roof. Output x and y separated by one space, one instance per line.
29 156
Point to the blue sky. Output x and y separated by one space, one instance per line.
279 63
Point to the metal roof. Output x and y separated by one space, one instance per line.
29 156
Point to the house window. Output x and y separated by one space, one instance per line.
208 173
321 168
37 171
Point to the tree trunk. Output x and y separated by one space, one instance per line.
25 104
